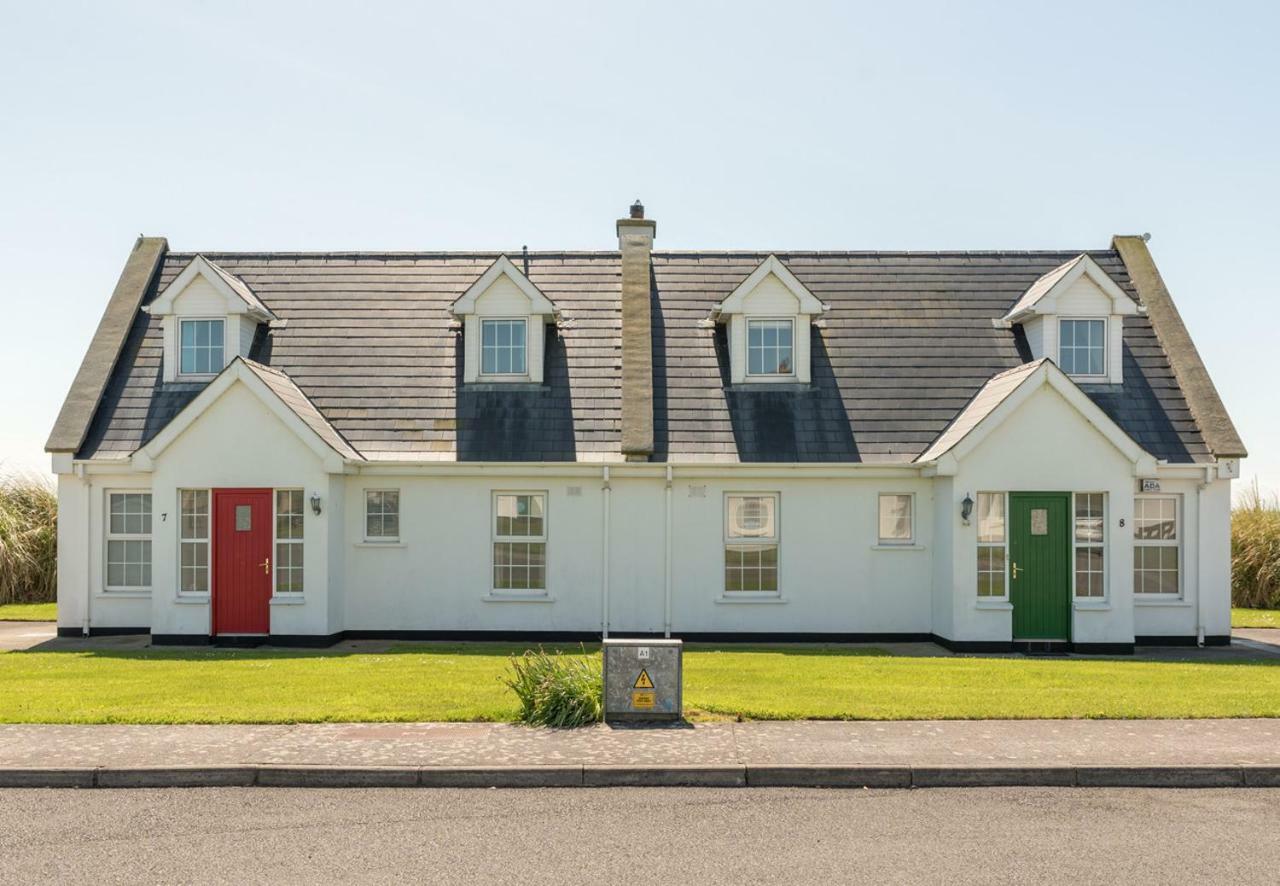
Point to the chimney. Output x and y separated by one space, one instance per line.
635 241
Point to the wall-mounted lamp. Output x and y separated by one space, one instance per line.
315 503
966 508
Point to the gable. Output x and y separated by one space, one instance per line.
499 280
200 299
503 298
771 296
1083 298
207 288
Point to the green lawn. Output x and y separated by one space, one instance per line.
461 682
29 612
1255 618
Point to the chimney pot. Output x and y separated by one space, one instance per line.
637 209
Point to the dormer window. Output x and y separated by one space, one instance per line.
208 317
1082 347
201 347
504 320
769 347
502 347
770 320
1074 315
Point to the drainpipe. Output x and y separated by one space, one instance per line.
666 577
1200 487
604 561
88 547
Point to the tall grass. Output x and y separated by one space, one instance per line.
557 690
28 540
1255 551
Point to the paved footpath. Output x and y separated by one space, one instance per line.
876 754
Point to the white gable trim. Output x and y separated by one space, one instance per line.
1048 375
202 267
237 373
1045 300
538 303
733 303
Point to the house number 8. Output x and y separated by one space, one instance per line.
1122 522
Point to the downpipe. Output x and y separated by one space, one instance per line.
1200 487
666 565
604 558
88 549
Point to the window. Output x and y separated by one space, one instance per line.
128 541
382 515
769 349
502 347
289 519
1156 540
751 543
201 347
193 541
1082 347
991 545
520 541
895 520
1090 520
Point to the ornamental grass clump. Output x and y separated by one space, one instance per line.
1255 551
557 690
28 540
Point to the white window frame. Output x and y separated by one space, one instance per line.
276 541
746 350
881 541
496 539
1002 544
207 540
730 540
1106 347
1179 529
109 536
177 334
1102 545
503 376
381 539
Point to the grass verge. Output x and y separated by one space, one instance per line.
28 611
464 683
1255 618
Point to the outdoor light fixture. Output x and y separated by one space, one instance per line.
315 503
966 508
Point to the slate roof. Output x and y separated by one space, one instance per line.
908 341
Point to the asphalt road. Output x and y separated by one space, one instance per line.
1017 835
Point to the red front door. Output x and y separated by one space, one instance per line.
241 561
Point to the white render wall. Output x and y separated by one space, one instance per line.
834 577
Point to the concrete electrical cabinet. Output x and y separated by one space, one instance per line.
643 680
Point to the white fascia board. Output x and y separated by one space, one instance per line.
538 303
809 303
199 267
687 470
237 373
1084 266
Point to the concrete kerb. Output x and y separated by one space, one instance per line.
564 776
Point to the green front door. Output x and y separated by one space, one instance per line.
1040 565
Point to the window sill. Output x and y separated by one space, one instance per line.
192 599
1090 606
1171 602
994 605
123 595
901 547
287 601
497 384
195 379
378 544
518 598
750 599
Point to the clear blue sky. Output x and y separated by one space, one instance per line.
782 125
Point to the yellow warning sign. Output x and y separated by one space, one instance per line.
643 681
642 698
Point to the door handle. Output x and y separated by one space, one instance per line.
266 565
1015 570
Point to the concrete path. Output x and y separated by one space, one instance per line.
1042 752
16 635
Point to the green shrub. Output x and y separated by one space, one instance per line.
28 540
1255 551
557 690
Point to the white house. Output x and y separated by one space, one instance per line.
991 449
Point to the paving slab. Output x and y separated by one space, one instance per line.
18 635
